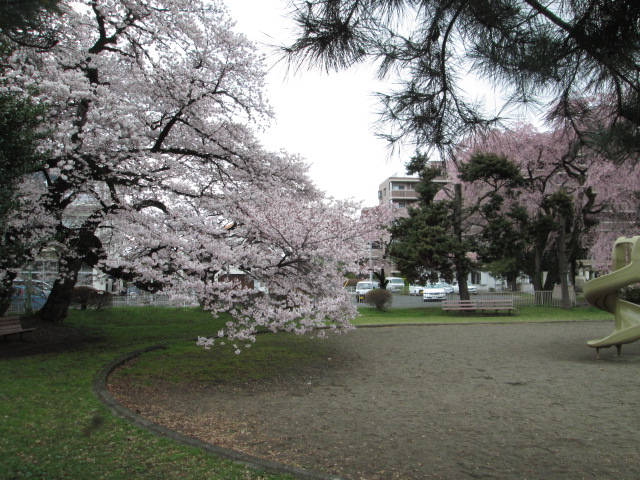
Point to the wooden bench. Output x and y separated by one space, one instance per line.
482 304
495 304
11 325
459 305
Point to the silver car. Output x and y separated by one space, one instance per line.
447 288
434 293
473 289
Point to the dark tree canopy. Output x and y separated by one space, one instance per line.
577 55
27 22
22 22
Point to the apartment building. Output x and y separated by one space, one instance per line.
398 191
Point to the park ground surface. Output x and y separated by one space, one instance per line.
495 401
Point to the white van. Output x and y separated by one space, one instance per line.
362 288
395 284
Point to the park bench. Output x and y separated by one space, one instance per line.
482 304
459 305
11 325
495 304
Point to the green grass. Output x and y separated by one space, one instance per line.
183 363
53 427
370 316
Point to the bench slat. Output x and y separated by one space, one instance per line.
479 304
11 325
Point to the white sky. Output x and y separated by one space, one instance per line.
326 118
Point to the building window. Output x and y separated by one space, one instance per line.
398 187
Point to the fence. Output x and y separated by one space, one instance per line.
520 299
149 300
18 306
526 299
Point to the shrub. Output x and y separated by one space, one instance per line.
378 298
631 294
86 296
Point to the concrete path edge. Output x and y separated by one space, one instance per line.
103 394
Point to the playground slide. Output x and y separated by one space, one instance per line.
602 292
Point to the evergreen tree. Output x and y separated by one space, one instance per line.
22 23
537 52
429 242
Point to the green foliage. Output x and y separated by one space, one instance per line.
429 242
20 133
631 294
496 170
379 298
536 51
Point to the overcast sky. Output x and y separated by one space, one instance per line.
326 118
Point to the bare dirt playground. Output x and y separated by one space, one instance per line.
494 401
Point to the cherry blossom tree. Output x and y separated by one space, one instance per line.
155 175
566 195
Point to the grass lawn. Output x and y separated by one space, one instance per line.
370 316
53 427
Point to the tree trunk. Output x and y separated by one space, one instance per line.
460 263
563 265
6 291
57 305
382 278
514 281
463 289
537 274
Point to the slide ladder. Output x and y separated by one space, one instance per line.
602 292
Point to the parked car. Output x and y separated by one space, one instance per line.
434 293
37 285
473 289
416 289
362 288
29 299
447 288
395 284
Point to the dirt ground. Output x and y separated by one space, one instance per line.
507 401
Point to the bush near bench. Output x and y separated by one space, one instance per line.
378 298
86 296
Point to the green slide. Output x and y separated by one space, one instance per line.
602 292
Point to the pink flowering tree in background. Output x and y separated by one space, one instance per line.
561 201
154 174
